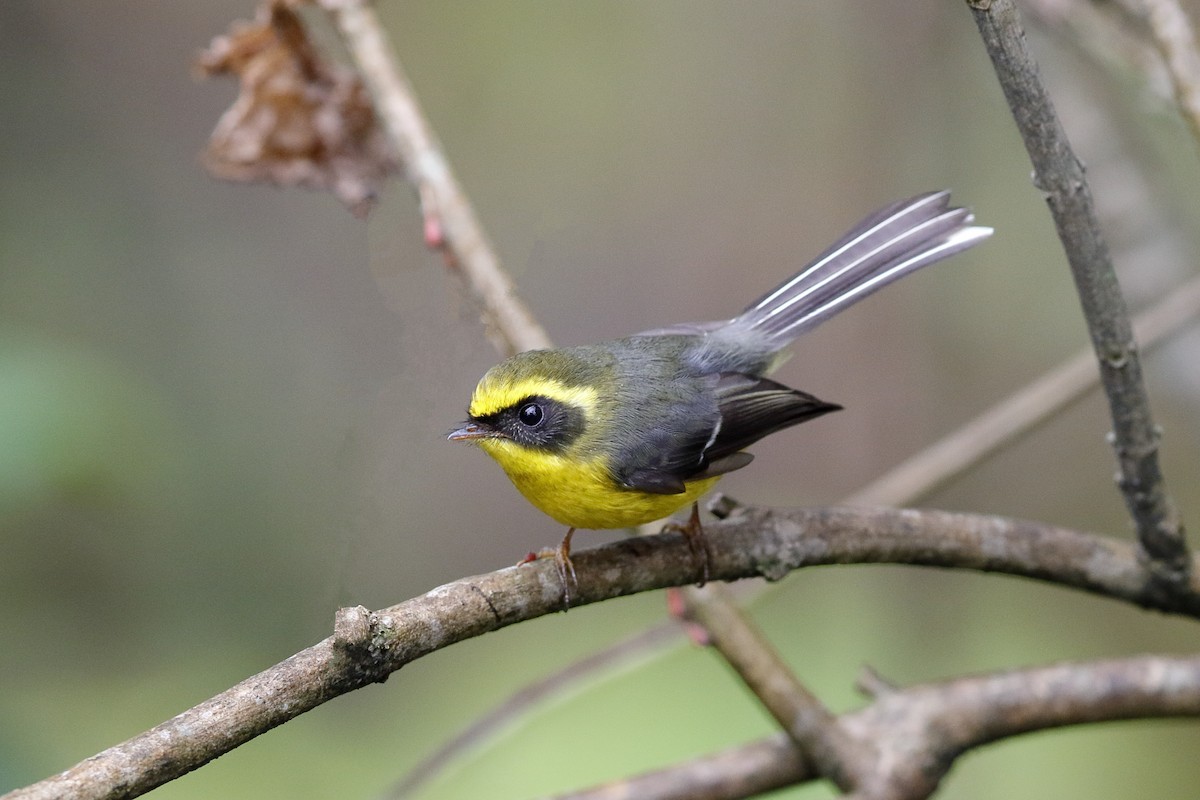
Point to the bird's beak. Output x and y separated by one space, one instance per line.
470 431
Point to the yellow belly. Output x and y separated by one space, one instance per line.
580 494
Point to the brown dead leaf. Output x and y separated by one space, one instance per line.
298 119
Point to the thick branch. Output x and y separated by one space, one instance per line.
370 646
920 730
1060 176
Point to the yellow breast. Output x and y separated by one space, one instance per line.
580 494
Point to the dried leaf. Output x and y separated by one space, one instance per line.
298 120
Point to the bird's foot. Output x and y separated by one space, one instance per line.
693 532
562 559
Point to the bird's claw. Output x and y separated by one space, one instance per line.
693 533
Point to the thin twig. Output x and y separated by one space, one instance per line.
450 221
920 730
799 713
1021 412
1176 41
639 646
1059 175
1108 34
737 772
367 647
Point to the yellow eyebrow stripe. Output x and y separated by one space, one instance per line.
489 398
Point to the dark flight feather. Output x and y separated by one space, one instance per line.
749 408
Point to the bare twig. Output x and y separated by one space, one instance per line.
1059 175
920 730
799 713
638 646
1020 412
1106 33
1176 41
450 222
871 684
745 771
367 647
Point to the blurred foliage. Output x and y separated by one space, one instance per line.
222 407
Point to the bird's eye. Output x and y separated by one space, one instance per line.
531 415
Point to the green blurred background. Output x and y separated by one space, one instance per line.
222 407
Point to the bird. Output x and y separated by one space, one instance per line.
630 430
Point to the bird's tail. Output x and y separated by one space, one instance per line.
884 247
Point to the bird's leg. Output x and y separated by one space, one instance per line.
562 558
566 568
693 532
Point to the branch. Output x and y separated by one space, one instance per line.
1059 175
731 774
811 726
367 647
450 221
919 731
